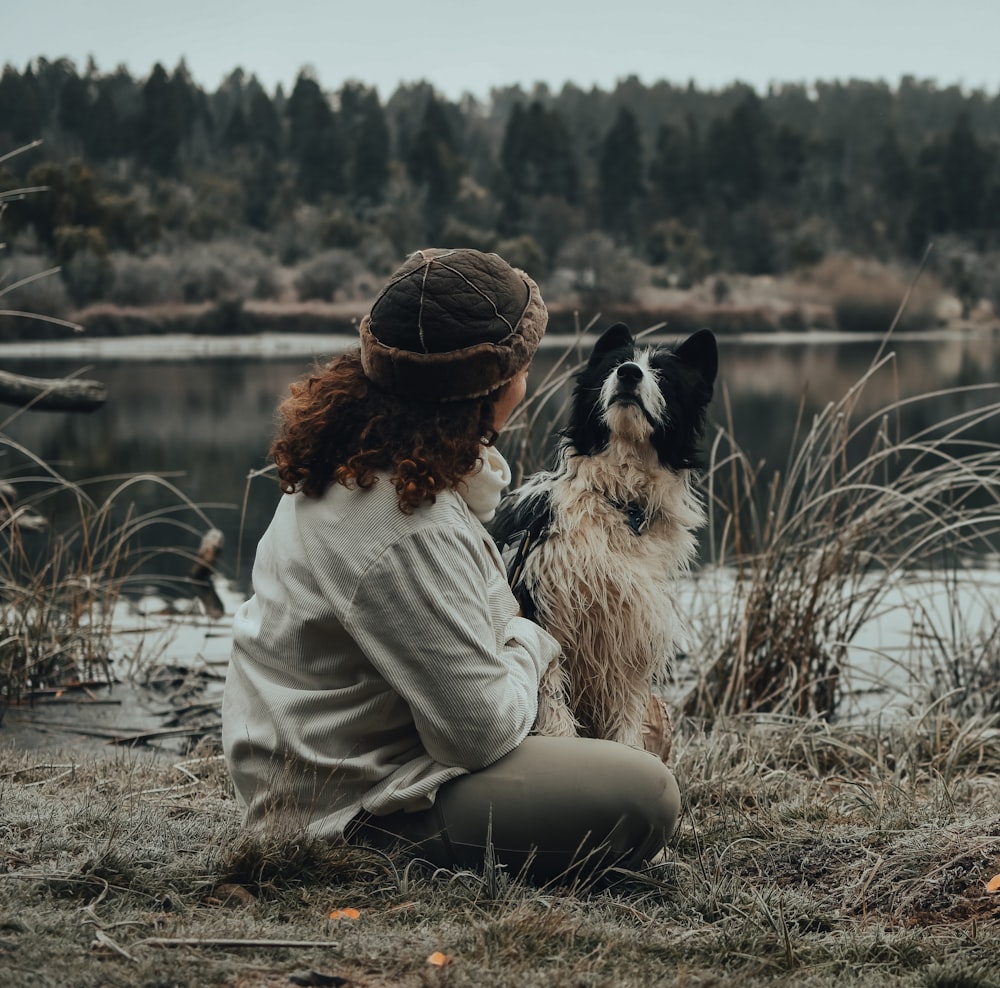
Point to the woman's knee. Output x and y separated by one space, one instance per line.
626 779
558 787
649 788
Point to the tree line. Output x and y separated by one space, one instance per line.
687 181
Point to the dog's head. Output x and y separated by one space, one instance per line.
657 395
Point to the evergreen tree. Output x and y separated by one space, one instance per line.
894 174
964 173
735 152
620 171
790 154
537 156
263 177
106 135
21 106
314 140
263 122
368 136
237 130
434 162
70 202
160 127
929 203
74 106
676 175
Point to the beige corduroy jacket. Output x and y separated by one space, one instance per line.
380 656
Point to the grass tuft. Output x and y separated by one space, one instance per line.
86 546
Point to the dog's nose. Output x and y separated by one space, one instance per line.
629 373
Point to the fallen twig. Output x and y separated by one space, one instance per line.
228 942
142 737
103 942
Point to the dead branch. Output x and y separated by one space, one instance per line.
51 394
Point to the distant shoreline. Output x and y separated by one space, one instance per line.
279 345
233 327
235 317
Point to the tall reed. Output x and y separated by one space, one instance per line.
67 556
854 511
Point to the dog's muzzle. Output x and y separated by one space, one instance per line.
628 377
626 389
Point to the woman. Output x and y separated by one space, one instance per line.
383 683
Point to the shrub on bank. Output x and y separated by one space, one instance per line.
328 274
866 294
27 288
192 274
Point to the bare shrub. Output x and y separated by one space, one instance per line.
378 255
600 272
458 233
553 222
221 269
144 280
267 284
300 235
681 252
973 275
865 294
332 272
197 273
523 252
87 275
29 283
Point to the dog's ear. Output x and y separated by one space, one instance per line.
701 351
615 337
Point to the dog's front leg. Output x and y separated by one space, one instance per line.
627 727
555 719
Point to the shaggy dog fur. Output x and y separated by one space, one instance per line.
600 539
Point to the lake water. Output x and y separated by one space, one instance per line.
197 414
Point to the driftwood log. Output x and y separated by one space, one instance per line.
68 394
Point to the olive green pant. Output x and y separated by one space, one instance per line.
552 808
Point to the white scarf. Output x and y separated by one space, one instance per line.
483 488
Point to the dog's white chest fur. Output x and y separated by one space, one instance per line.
605 590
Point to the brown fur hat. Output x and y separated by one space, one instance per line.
451 324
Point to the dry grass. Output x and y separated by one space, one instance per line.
817 550
806 855
68 552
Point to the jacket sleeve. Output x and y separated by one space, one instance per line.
441 628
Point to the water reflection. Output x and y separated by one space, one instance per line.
206 423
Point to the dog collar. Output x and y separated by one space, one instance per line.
635 514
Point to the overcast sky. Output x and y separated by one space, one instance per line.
473 45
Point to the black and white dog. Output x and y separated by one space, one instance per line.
600 539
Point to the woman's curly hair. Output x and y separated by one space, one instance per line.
336 426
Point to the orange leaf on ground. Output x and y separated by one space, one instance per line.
344 914
438 959
993 885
